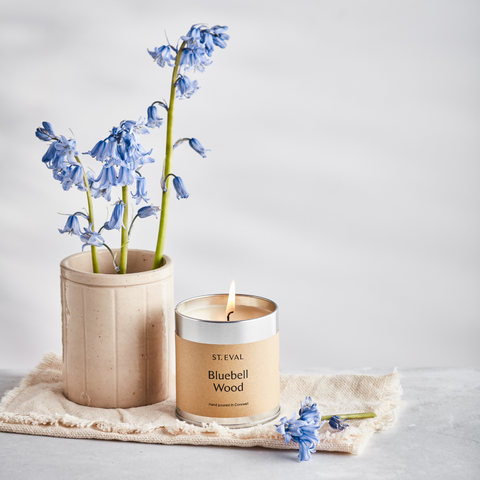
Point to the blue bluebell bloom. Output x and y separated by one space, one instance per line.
52 159
122 149
304 430
89 237
164 55
66 148
180 188
116 220
185 87
153 118
125 176
194 35
73 225
141 192
194 143
290 428
46 132
147 211
305 450
308 410
219 36
102 185
197 146
194 59
102 150
71 175
337 423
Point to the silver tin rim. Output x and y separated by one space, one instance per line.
239 422
223 332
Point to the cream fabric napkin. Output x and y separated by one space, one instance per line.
38 407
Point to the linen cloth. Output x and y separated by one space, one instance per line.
38 407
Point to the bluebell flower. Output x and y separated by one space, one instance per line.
66 148
145 212
197 146
164 55
73 225
89 237
122 148
194 58
134 127
102 186
219 36
102 150
207 41
125 176
304 430
116 220
290 428
52 159
141 192
193 37
306 448
46 132
185 87
154 119
214 36
72 175
194 143
309 411
337 423
180 188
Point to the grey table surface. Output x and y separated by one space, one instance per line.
437 436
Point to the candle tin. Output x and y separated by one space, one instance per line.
227 372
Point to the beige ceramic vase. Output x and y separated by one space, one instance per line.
118 331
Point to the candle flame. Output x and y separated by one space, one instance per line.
231 299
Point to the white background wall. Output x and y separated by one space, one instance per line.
342 180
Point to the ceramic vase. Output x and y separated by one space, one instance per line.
118 331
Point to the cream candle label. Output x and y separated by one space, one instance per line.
228 381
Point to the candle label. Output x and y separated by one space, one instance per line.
228 381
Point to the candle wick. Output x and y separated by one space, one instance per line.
228 316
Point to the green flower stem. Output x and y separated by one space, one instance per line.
124 243
90 218
117 268
350 416
131 225
162 230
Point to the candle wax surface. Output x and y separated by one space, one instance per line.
218 313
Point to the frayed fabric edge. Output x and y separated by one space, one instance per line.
48 359
350 441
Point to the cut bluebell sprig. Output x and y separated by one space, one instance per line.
305 429
121 154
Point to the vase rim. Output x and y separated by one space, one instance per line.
137 277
